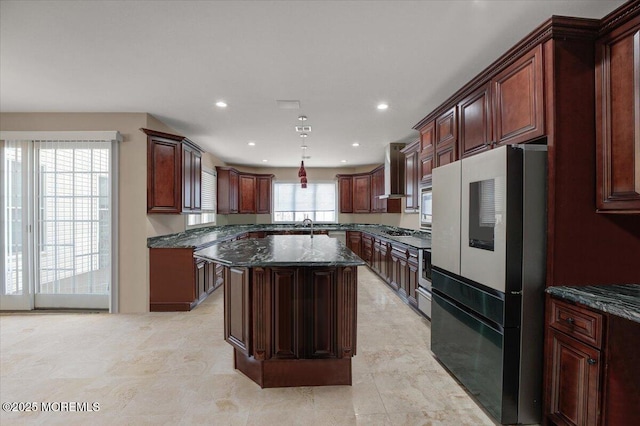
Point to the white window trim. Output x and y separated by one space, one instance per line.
273 201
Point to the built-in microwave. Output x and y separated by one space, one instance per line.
426 208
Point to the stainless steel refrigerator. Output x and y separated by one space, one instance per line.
488 254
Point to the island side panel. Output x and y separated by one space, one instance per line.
347 314
237 315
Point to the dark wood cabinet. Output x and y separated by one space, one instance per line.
378 205
404 272
247 194
362 193
173 174
263 196
177 281
281 319
518 100
367 248
427 149
191 178
237 313
411 171
345 188
474 133
227 190
354 242
240 192
590 371
618 119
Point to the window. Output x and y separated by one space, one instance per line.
292 203
208 214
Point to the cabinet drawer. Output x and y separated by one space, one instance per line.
582 324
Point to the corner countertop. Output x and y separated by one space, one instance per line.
622 300
281 250
203 237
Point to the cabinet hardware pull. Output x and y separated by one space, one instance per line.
570 320
591 361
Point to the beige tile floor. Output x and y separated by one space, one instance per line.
175 368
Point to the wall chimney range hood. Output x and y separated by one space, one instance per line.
393 171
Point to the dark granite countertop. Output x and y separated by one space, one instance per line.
281 250
622 300
203 237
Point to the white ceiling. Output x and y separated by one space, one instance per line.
175 59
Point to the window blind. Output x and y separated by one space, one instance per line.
292 203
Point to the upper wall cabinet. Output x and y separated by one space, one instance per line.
412 176
240 192
174 166
475 130
427 136
618 119
360 193
518 97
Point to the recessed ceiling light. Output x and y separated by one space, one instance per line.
221 104
304 147
383 106
343 161
302 117
251 144
303 135
264 161
355 144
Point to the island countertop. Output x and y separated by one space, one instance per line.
281 250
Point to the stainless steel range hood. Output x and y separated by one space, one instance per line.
393 171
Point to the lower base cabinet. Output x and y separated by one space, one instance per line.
592 367
393 262
177 281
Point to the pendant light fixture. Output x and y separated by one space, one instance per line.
302 173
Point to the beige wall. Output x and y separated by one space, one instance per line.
135 226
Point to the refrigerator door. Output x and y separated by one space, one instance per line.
484 218
445 233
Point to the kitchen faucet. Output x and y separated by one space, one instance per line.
307 222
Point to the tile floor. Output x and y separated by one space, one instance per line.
175 368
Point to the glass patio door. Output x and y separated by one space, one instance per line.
57 225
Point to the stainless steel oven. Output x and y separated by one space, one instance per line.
426 210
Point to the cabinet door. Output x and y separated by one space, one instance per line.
411 180
345 184
354 239
475 122
446 146
196 181
518 100
263 185
573 369
362 194
236 308
427 137
618 120
201 279
412 277
191 179
164 178
367 249
233 191
247 194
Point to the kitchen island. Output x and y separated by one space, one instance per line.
290 308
